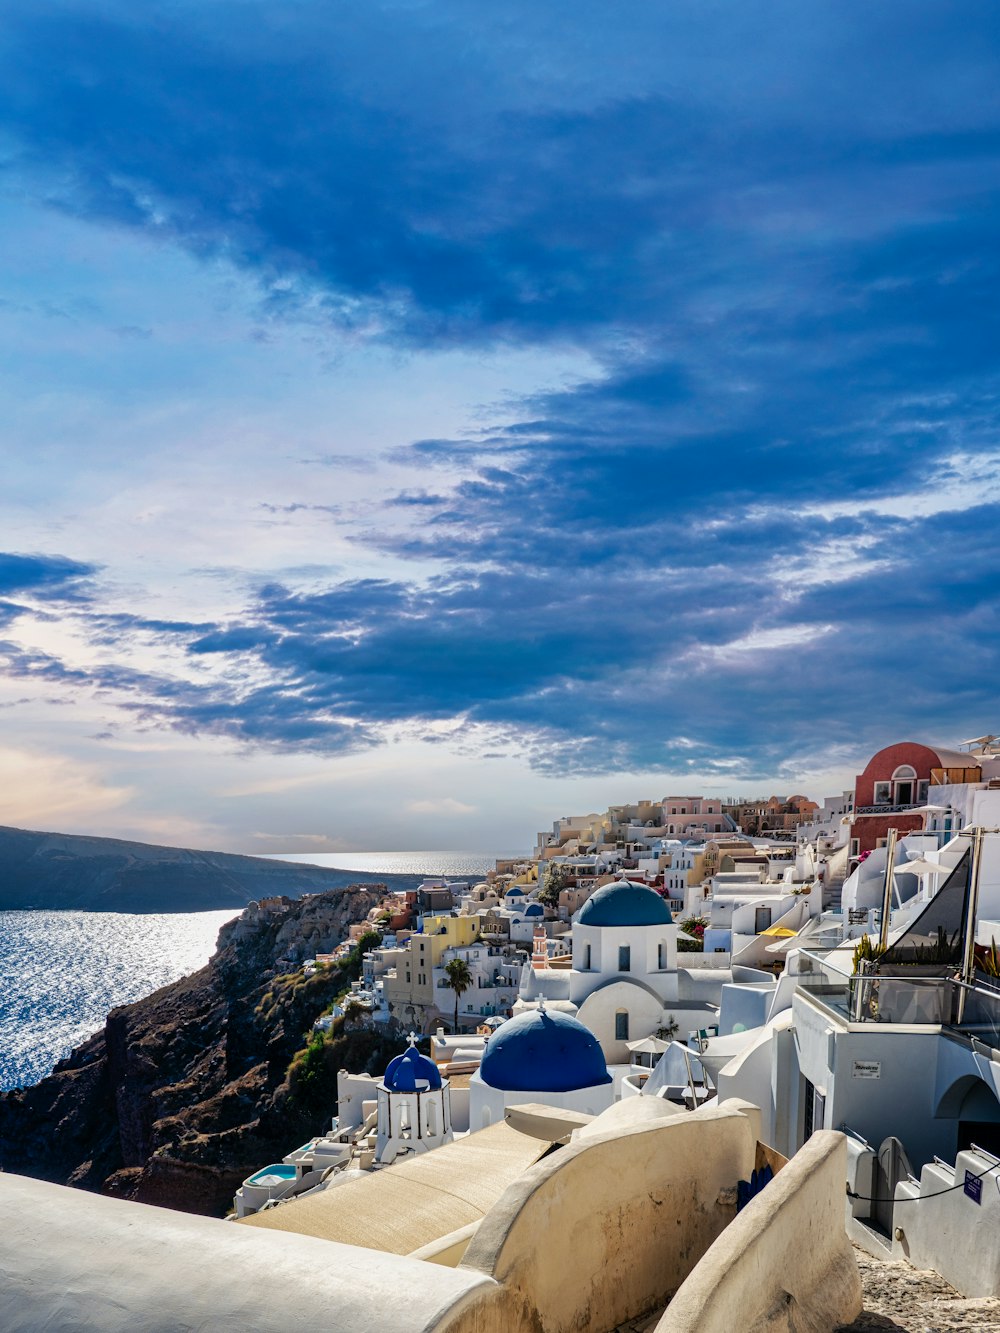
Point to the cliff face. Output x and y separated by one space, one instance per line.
184 1093
64 870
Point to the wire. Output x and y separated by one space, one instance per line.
919 1198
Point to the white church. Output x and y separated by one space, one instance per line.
623 982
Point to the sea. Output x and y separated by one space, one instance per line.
63 972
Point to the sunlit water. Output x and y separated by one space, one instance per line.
455 865
64 971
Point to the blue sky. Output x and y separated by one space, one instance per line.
422 421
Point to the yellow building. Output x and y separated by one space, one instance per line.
409 990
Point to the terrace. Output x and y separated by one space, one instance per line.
900 996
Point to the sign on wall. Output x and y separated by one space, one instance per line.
974 1186
867 1069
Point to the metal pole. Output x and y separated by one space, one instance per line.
890 861
972 904
969 968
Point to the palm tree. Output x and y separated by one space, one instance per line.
459 979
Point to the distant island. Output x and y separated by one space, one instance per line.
66 871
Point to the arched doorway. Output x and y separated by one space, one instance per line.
973 1104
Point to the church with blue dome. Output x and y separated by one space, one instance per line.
623 978
541 1056
413 1104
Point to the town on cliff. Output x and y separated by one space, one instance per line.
772 1018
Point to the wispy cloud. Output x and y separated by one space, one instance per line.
759 525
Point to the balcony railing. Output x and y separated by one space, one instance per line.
902 997
888 809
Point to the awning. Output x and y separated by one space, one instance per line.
782 932
782 946
921 867
648 1045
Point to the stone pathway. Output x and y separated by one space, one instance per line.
901 1299
898 1299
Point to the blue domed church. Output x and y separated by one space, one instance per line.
539 1056
624 972
414 1106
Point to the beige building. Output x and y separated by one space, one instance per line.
409 987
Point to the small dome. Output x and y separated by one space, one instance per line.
534 909
515 893
410 1071
624 903
542 1051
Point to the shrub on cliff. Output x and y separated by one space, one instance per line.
312 1074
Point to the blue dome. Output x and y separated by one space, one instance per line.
534 909
543 1051
407 1071
624 903
514 893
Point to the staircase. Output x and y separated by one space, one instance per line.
833 884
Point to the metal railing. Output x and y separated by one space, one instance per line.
889 809
871 996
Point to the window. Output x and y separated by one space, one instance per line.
855 846
621 1025
586 957
624 958
661 955
922 790
883 793
808 1108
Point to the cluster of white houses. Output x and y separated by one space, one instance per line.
844 982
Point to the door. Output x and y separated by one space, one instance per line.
892 1166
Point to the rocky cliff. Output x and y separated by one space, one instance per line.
185 1093
63 870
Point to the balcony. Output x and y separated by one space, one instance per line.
889 809
902 997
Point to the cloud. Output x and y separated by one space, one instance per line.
442 805
42 575
761 526
48 791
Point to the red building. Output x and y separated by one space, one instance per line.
895 788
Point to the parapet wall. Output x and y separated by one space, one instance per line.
951 1222
76 1261
785 1263
607 1228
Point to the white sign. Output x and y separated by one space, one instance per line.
867 1069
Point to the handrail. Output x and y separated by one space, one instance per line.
846 1129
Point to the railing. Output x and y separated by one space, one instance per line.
889 809
902 997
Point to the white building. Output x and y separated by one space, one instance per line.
624 982
414 1107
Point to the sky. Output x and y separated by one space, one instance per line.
421 420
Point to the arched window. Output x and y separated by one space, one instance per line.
661 955
904 785
621 1025
586 958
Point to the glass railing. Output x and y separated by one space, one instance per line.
978 1013
901 997
827 980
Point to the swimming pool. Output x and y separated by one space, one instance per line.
277 1174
